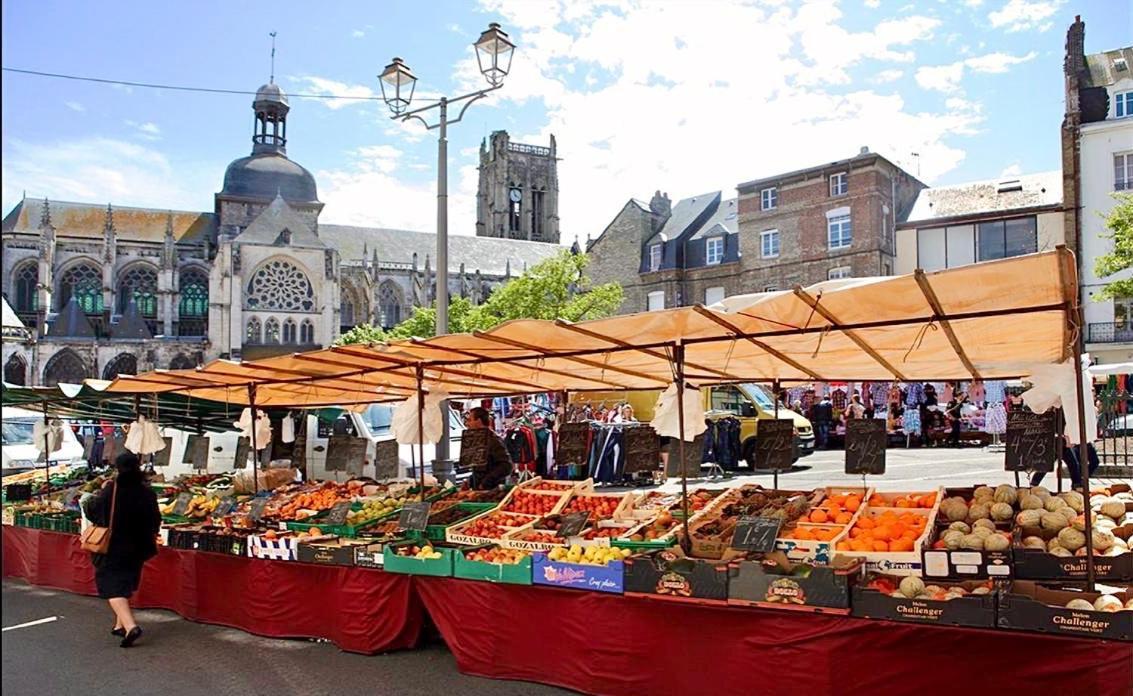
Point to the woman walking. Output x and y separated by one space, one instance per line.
129 508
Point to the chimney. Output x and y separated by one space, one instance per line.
864 150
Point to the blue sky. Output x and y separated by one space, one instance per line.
685 97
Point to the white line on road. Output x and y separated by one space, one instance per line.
37 622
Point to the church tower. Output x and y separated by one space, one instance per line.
518 194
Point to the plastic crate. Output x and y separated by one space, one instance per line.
509 573
436 567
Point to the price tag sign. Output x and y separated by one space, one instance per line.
756 534
774 444
866 440
161 457
257 509
182 503
1031 441
225 506
414 516
570 525
337 514
243 448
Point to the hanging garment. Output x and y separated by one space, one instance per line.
1055 385
611 459
838 399
144 437
287 429
520 444
52 432
978 392
912 421
947 392
728 443
914 395
996 391
995 420
665 418
894 394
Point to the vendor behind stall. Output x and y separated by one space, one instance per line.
497 465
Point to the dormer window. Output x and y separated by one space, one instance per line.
839 184
714 250
655 257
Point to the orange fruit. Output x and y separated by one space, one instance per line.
928 501
901 545
866 523
843 518
802 533
880 546
819 516
883 533
853 502
843 546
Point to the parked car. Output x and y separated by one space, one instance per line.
19 449
1120 426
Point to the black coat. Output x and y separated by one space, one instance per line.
137 519
823 412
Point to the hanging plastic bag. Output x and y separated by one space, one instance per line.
1053 386
287 429
404 422
665 414
144 437
263 428
52 431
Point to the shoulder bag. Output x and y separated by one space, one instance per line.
96 539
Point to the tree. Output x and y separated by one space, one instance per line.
556 288
1120 224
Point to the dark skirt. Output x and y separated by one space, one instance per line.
115 576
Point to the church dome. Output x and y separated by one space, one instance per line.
263 176
271 93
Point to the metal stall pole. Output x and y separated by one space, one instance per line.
679 364
255 458
46 452
1083 454
421 427
775 395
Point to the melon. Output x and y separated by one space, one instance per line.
1080 604
954 509
1052 504
960 527
1129 604
1053 544
1002 511
1061 552
1029 518
983 524
983 532
981 590
1074 499
1005 494
996 542
983 492
979 511
1071 539
1068 513
912 586
1107 603
1034 542
1030 502
1052 521
1112 508
1040 492
972 542
952 539
1102 538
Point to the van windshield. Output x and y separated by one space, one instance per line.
379 417
760 396
18 432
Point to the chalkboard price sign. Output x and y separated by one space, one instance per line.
865 446
1031 441
346 453
774 444
257 509
225 506
338 513
161 457
756 534
414 516
243 448
570 525
182 503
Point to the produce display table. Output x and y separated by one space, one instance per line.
608 644
359 610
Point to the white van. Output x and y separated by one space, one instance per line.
372 425
20 452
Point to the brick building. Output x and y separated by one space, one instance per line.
835 220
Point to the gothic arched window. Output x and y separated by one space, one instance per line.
307 333
289 331
194 293
24 282
282 286
346 312
122 364
252 333
181 362
16 370
271 331
390 300
138 283
84 283
64 366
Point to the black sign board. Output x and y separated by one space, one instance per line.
774 443
570 525
1031 441
414 516
338 513
197 451
346 453
243 449
182 503
161 457
225 506
386 460
474 446
756 533
865 446
257 509
88 450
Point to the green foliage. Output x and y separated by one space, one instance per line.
553 289
1120 224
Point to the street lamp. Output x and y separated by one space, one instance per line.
494 51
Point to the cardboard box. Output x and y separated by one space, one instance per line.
894 562
577 576
370 555
1028 606
961 564
1033 564
325 553
621 511
559 496
970 610
509 573
672 575
782 584
282 548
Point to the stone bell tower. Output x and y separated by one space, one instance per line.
518 195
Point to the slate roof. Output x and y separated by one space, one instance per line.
984 197
489 255
71 322
11 327
724 221
1104 68
685 213
269 225
89 220
131 325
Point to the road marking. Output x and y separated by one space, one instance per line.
37 622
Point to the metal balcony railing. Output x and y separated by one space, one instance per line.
1109 332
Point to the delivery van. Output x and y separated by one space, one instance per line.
21 453
749 403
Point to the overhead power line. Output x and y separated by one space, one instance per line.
180 88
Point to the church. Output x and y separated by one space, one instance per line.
107 290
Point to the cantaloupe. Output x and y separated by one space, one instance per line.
1052 504
1080 604
1029 518
1052 521
1102 538
1034 542
972 542
954 509
1002 512
1005 494
1107 603
960 527
1030 502
996 542
1071 539
1074 499
979 511
911 586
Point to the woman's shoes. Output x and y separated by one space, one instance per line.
133 635
119 632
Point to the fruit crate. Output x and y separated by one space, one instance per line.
508 573
436 567
621 510
783 584
512 540
559 497
343 530
892 562
436 532
1035 564
67 523
579 576
1027 606
962 564
585 485
670 575
458 533
976 611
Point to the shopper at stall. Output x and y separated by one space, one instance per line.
1070 458
497 465
822 418
128 507
953 411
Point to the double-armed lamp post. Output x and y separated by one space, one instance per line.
494 51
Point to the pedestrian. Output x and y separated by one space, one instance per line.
129 508
822 419
856 409
497 465
953 411
1070 458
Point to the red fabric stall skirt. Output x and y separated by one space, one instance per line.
608 644
358 609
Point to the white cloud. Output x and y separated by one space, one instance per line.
147 131
1011 170
872 4
891 75
102 170
357 33
312 84
973 3
75 106
946 78
1021 15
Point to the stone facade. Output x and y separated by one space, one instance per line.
518 195
107 289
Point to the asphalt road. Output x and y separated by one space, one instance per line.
76 654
